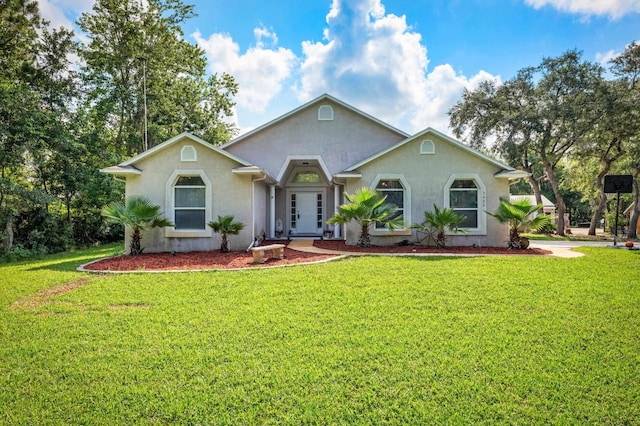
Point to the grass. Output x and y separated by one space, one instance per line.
365 340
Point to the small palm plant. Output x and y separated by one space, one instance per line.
138 213
441 221
225 226
519 217
367 207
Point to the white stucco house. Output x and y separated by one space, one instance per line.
286 178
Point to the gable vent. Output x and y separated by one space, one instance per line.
188 153
325 113
427 147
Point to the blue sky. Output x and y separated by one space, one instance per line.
405 62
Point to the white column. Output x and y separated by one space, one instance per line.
272 211
336 203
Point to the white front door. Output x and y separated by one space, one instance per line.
306 208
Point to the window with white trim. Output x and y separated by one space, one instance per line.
463 199
190 205
394 190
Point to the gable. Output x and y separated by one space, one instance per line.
429 142
324 128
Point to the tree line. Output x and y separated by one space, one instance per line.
69 108
569 123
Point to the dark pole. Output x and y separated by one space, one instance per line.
615 234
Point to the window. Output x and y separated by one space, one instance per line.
427 147
325 113
319 221
306 177
463 198
188 153
190 203
294 209
465 194
394 190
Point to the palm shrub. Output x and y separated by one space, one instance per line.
367 207
519 216
442 221
139 214
225 226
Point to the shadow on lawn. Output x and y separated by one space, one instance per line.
68 262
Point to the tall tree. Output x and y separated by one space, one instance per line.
20 116
139 67
603 146
538 116
627 67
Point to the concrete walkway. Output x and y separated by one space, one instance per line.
562 249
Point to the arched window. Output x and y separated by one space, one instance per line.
325 113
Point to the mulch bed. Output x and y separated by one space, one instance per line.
239 259
410 248
197 260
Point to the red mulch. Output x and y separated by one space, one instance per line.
340 245
200 260
240 259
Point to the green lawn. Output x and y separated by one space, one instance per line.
364 340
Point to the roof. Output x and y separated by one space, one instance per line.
174 140
319 99
532 200
430 130
122 170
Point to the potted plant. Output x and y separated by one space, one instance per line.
225 226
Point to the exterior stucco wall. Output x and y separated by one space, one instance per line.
427 176
230 195
346 140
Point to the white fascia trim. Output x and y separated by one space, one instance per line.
122 171
177 138
169 203
407 205
348 175
482 202
290 158
512 174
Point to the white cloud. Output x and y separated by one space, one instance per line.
376 62
62 13
604 58
444 89
614 8
259 72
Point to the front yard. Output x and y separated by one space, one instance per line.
369 340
